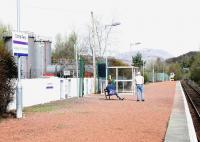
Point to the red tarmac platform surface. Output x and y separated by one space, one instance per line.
94 119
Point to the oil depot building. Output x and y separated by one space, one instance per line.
39 55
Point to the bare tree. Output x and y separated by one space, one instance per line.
64 47
84 43
101 37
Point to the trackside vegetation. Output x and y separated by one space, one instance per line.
8 74
8 71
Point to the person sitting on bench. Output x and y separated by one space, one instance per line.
110 88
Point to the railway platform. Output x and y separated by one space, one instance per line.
162 117
180 126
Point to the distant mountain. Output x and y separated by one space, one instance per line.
147 54
181 58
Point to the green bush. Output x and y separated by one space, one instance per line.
145 78
8 71
195 70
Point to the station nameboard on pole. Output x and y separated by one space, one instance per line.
20 43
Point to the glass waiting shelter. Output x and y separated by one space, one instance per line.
123 77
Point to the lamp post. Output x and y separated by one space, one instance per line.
153 69
153 74
163 71
143 67
94 50
135 44
112 25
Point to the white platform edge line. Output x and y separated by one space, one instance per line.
192 133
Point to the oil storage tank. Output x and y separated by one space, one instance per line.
41 57
34 65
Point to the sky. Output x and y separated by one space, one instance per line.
170 25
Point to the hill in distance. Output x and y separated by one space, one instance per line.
147 54
183 57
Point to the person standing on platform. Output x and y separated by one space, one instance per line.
139 81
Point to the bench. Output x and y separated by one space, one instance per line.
106 94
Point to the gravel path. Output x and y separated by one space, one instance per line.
94 119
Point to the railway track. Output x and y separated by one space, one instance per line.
193 98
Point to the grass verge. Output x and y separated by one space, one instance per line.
52 106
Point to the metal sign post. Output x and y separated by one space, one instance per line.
20 48
19 105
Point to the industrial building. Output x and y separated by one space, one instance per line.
39 55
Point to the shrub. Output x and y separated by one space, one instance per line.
8 71
145 78
195 70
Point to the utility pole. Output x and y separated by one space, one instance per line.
94 58
143 67
77 79
153 74
163 71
